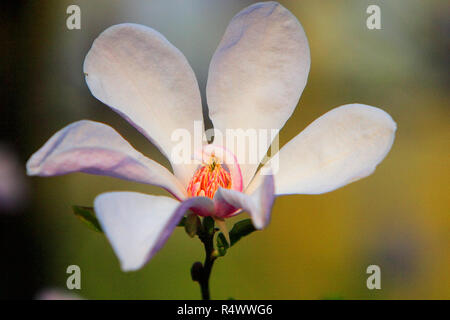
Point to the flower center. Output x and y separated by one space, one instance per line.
208 178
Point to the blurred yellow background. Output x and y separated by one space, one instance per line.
316 247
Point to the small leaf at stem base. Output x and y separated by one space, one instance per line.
87 216
222 244
239 230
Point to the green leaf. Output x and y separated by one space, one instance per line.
87 216
241 229
222 244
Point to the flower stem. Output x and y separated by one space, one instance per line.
207 265
202 272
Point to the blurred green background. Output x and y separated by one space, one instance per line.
316 247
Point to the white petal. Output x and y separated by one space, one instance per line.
342 146
258 73
137 72
137 225
258 204
95 148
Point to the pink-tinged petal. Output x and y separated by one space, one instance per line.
138 225
258 204
257 75
203 206
342 146
142 76
95 148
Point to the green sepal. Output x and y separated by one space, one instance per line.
87 216
192 224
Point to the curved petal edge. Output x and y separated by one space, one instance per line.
137 72
137 225
256 78
95 148
342 146
258 204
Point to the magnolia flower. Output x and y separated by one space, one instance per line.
255 80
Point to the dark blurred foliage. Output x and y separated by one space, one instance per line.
21 262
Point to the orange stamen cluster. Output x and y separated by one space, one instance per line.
207 179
